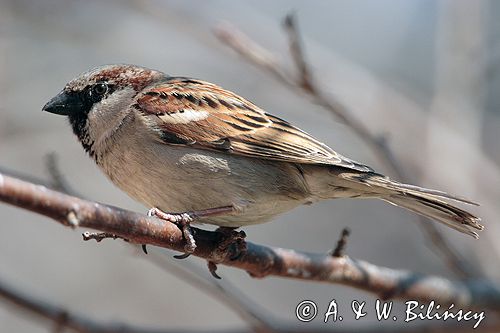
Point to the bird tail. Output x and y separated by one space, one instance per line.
425 202
431 206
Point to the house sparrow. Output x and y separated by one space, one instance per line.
180 144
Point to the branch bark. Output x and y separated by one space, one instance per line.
259 260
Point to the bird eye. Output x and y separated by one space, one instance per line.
100 88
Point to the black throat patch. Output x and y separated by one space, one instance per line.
79 125
78 121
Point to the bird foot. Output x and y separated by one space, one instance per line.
232 240
183 221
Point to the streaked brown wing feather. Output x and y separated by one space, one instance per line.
199 113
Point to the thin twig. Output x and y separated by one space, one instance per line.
339 250
304 82
258 260
58 181
297 54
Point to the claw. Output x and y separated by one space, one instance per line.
144 249
182 220
212 267
182 256
187 232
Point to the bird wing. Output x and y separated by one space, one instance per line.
191 112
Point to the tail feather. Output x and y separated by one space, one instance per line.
423 201
436 193
438 210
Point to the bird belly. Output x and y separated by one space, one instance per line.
178 179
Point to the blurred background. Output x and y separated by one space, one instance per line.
425 74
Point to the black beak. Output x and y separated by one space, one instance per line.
64 104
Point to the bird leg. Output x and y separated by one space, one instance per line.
183 221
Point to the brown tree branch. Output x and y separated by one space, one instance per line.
305 82
259 261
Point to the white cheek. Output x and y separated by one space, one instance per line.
185 117
106 115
